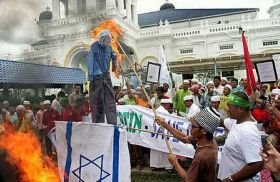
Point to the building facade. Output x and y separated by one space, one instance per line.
195 40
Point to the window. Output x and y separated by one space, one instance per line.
226 47
186 51
270 43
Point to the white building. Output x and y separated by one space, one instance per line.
195 40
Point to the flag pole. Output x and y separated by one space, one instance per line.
140 81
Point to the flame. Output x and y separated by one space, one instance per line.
24 151
116 33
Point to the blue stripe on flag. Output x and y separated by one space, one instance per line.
116 153
69 151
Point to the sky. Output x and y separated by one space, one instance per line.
18 28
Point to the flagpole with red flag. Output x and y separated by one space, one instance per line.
251 82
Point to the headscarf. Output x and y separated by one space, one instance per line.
235 100
104 38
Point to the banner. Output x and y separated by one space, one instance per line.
143 119
92 152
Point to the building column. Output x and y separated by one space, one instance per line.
55 9
72 7
120 5
110 4
128 9
91 5
135 16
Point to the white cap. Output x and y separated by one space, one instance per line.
210 82
138 88
121 100
199 83
194 80
215 99
188 97
276 91
26 102
166 101
124 88
224 78
186 81
147 86
228 86
47 102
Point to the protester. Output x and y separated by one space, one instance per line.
5 108
101 89
159 159
50 115
205 99
23 123
178 101
234 85
191 108
155 101
215 103
224 98
196 95
203 166
39 120
29 112
224 81
239 159
271 158
68 112
217 85
76 93
13 115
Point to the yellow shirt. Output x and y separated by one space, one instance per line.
23 125
223 103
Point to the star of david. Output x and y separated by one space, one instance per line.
84 162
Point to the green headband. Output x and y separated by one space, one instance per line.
238 101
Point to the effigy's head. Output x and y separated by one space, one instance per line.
104 38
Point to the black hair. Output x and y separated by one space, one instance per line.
209 135
61 94
160 89
218 78
234 80
244 96
75 85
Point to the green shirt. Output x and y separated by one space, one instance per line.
179 100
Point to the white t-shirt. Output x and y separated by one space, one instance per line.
192 111
219 89
242 147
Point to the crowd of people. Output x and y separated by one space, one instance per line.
219 103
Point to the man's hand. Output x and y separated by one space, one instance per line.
160 121
272 160
172 159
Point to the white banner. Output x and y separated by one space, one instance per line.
92 152
143 119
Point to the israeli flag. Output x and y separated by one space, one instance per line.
90 152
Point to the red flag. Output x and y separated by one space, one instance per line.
251 82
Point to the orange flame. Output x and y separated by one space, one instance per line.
24 151
117 34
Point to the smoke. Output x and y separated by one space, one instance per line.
17 23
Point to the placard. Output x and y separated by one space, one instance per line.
266 71
153 72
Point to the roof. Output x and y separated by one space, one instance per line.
45 15
13 72
177 15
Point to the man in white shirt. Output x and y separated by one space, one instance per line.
218 87
215 103
159 159
240 160
192 109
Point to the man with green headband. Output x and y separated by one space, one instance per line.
240 160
